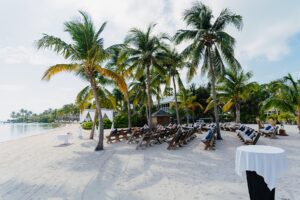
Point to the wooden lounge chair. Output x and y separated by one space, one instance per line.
136 134
246 138
182 137
118 135
270 133
209 139
174 143
149 138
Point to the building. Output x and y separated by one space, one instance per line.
272 111
165 103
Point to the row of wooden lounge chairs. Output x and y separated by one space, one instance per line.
229 126
248 135
156 136
176 136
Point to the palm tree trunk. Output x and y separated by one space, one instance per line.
129 110
213 87
298 118
187 116
99 146
94 125
147 113
149 96
237 112
176 103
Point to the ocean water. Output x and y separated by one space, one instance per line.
20 130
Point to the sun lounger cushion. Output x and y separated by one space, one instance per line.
252 135
242 128
207 136
249 132
268 127
245 137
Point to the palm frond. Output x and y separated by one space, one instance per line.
53 70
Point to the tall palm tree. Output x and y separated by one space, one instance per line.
174 62
85 98
143 49
210 43
234 88
119 63
286 96
138 91
86 53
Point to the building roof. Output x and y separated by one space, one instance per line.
160 113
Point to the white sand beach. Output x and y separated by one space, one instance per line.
38 167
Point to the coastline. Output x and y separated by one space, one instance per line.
46 131
40 167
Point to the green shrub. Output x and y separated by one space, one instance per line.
121 120
87 125
138 120
107 123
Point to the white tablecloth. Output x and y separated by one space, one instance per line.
268 162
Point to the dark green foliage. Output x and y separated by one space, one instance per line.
67 113
121 120
107 123
87 125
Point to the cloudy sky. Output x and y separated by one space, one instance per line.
269 44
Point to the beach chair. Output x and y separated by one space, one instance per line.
209 140
248 135
269 131
118 135
149 138
135 135
175 142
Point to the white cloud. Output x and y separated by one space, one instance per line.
25 56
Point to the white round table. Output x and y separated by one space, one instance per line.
266 161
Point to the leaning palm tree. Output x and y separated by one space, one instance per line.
143 48
234 88
210 43
85 99
86 53
285 97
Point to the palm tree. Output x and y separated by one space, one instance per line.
119 63
138 91
143 49
86 54
85 99
210 43
234 88
188 103
286 96
174 63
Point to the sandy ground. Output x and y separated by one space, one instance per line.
38 167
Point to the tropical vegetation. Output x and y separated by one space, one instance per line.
133 77
68 113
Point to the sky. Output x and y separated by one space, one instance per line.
268 45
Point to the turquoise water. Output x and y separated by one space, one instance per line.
20 130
